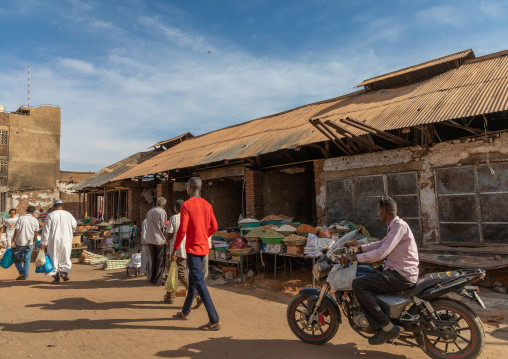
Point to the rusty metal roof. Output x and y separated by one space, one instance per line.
285 130
418 72
173 141
109 173
475 88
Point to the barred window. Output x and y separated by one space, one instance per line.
3 168
4 138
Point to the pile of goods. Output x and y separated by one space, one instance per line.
295 240
231 235
285 228
268 227
93 235
239 243
274 218
219 234
248 220
255 234
272 234
83 228
306 228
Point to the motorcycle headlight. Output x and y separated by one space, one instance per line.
321 268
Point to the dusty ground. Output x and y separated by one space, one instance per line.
108 315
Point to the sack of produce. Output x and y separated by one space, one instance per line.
324 233
172 281
41 259
46 268
7 260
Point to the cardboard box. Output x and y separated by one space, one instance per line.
232 270
211 254
274 247
220 255
295 249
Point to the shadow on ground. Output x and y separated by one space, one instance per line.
50 326
86 304
226 347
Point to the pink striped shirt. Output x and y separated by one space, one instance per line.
398 249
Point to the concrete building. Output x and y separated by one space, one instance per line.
30 160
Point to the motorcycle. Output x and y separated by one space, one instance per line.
441 326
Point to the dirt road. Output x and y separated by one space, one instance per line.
102 314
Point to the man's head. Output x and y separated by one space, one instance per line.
41 210
12 212
194 186
161 202
58 204
178 205
386 209
30 210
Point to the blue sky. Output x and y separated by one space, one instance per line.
130 73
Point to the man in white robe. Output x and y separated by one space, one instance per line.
57 234
145 254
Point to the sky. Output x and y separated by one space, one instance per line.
130 73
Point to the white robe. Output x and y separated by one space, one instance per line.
57 234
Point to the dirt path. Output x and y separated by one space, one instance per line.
102 314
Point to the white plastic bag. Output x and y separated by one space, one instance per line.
341 277
41 258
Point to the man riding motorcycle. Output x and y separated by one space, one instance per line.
400 253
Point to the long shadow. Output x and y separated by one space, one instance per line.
86 304
227 347
109 280
50 326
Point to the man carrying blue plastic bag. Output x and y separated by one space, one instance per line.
25 235
57 234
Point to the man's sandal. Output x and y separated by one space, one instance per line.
208 327
182 316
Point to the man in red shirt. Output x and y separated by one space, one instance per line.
197 222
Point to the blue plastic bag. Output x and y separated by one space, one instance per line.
46 268
7 259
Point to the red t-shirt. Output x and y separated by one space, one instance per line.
198 222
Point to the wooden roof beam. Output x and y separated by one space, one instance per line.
353 137
472 130
335 140
374 131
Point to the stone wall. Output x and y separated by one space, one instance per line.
423 160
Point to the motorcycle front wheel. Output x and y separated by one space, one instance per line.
324 327
470 336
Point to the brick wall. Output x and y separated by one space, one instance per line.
254 205
225 196
319 192
290 192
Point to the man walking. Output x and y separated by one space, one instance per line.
57 235
197 223
156 241
8 227
25 235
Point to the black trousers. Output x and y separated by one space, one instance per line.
156 268
364 288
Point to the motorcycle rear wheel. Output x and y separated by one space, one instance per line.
471 336
321 331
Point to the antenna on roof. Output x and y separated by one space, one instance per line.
28 85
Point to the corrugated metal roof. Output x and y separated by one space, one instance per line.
173 141
472 89
109 173
285 130
418 72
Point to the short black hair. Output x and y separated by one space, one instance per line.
195 183
30 209
388 204
12 209
178 204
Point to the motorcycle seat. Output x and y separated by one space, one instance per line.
428 280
